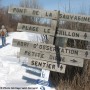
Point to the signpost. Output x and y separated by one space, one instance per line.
51 53
36 29
35 54
47 65
33 12
47 56
49 48
74 18
73 34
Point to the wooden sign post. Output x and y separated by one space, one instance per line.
33 12
73 34
36 61
54 43
47 56
49 48
74 18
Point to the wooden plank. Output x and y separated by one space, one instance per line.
33 12
73 34
36 29
47 65
49 48
74 17
40 55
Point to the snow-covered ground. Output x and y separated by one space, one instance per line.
12 72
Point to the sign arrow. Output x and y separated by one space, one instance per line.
61 67
86 53
74 61
85 35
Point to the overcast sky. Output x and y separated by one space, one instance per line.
62 5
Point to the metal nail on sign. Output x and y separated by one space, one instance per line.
33 12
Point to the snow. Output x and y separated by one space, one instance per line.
12 72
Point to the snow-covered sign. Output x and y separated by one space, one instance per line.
49 48
47 65
36 29
73 34
33 12
40 55
74 17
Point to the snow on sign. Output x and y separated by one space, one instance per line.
74 18
33 12
79 53
40 55
36 29
47 65
73 34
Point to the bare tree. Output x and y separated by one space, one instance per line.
30 4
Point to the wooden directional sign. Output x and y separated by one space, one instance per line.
73 34
33 12
34 45
40 55
36 29
74 18
79 53
47 65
